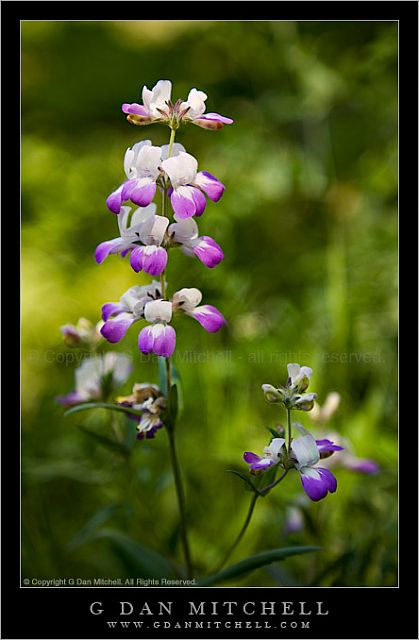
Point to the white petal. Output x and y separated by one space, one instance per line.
187 299
181 169
158 311
305 451
195 102
148 161
184 231
293 371
275 447
153 230
131 155
176 149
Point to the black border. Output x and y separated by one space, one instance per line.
354 613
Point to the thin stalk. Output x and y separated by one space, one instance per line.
263 491
171 141
181 501
289 433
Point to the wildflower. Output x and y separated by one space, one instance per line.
317 482
84 332
119 316
160 338
270 456
145 228
194 112
292 394
149 399
348 459
185 233
97 377
158 107
154 107
187 300
187 185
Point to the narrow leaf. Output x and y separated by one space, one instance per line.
102 405
245 478
117 447
254 562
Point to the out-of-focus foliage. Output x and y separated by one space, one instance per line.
308 223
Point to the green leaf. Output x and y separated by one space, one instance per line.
139 559
254 562
114 446
245 478
96 521
102 405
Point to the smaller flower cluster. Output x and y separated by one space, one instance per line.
157 107
150 400
146 303
292 395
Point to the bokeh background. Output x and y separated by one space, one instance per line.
308 223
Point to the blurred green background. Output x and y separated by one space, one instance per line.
308 224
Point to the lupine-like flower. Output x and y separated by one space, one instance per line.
187 300
160 338
157 107
154 107
97 377
84 332
317 481
187 185
269 457
194 112
186 234
145 227
149 399
292 394
119 316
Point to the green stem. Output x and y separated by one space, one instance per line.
289 433
181 501
171 141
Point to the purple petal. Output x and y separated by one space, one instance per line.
127 188
208 252
104 249
200 202
211 121
182 206
114 201
142 196
327 445
362 465
70 399
217 117
136 259
115 329
209 317
256 462
146 340
112 309
134 108
154 260
164 340
210 184
317 482
250 457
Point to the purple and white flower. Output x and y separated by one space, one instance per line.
317 482
326 448
194 112
299 377
269 457
119 316
186 234
188 186
96 377
347 459
145 227
160 338
149 399
187 300
154 107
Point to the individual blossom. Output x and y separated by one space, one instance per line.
83 333
119 316
317 482
154 107
187 300
188 185
149 399
97 377
160 337
141 234
348 459
186 234
157 107
193 111
293 395
269 457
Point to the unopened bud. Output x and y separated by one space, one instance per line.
271 393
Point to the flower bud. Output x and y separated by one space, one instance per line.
304 402
271 393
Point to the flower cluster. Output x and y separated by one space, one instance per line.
146 236
292 393
148 399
